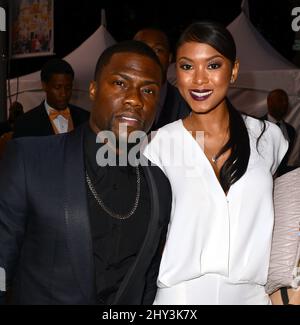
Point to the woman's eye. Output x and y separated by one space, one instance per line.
214 66
185 66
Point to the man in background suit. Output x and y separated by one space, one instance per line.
6 128
74 230
171 105
278 106
54 115
15 111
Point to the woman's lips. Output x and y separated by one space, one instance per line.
200 95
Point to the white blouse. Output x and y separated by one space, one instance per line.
210 232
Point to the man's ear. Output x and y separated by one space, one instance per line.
44 86
93 90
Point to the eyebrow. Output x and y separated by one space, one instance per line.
155 43
146 82
160 44
207 59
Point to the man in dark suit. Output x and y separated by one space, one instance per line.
54 115
6 128
278 106
171 106
15 111
71 231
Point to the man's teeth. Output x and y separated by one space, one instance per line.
129 118
197 94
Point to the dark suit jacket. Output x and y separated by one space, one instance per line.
174 108
36 121
284 167
5 127
45 239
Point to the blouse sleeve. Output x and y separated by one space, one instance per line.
279 146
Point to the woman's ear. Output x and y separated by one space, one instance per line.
235 71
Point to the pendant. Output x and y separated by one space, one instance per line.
214 159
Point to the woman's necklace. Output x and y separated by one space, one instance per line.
216 156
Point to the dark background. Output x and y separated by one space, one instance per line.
76 20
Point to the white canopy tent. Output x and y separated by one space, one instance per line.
263 69
83 60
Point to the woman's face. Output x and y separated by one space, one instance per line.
203 76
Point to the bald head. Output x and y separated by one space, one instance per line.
159 42
278 103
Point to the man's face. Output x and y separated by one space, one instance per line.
159 44
126 92
58 90
278 104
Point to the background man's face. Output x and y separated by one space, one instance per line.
278 105
127 92
159 44
58 90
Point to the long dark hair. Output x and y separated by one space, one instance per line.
217 36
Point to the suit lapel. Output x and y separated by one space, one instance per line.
149 238
76 214
74 116
44 122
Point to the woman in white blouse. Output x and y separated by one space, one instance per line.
220 165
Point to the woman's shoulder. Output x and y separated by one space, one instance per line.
267 139
257 126
172 127
159 143
167 131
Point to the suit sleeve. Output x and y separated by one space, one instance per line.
151 278
19 129
13 209
152 274
280 147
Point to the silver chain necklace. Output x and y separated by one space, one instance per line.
106 209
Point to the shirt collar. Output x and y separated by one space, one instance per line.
49 108
91 148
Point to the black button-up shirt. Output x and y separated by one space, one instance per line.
116 242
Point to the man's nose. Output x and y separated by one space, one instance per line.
64 92
134 98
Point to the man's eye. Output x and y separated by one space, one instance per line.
214 66
185 66
148 91
119 83
158 50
